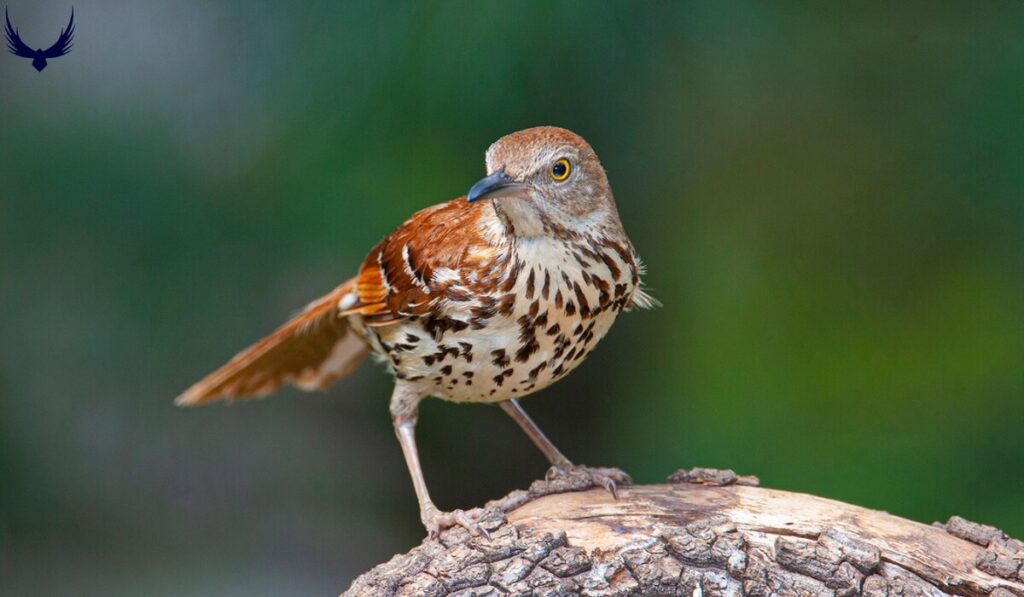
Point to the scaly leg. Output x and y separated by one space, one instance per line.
404 409
553 454
560 465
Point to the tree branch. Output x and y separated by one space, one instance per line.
706 532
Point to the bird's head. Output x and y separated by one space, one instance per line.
546 180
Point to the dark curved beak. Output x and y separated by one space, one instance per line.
497 184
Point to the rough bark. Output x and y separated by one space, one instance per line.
706 532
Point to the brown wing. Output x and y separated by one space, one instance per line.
440 253
310 351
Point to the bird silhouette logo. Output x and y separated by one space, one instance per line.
39 57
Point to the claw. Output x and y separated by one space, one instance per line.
610 486
608 478
437 521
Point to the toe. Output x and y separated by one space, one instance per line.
608 478
471 522
617 475
558 472
436 521
609 485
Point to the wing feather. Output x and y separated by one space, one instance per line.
433 255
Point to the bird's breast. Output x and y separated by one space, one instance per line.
536 322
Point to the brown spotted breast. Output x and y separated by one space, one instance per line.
468 312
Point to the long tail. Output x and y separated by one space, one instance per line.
310 351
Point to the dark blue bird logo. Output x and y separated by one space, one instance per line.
19 48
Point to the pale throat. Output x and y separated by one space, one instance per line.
522 215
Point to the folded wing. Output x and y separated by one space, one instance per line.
439 254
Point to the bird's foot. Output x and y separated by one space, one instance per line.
609 478
437 521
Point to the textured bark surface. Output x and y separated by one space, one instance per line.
706 532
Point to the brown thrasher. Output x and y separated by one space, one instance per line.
484 298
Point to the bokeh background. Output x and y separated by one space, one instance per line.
830 203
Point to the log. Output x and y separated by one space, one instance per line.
705 532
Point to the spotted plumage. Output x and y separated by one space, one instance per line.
484 298
487 294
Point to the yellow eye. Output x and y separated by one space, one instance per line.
560 170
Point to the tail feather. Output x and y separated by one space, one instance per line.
311 351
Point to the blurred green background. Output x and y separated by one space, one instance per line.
830 203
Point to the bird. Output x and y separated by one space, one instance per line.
485 298
58 49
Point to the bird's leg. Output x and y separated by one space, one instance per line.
552 453
560 465
404 409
